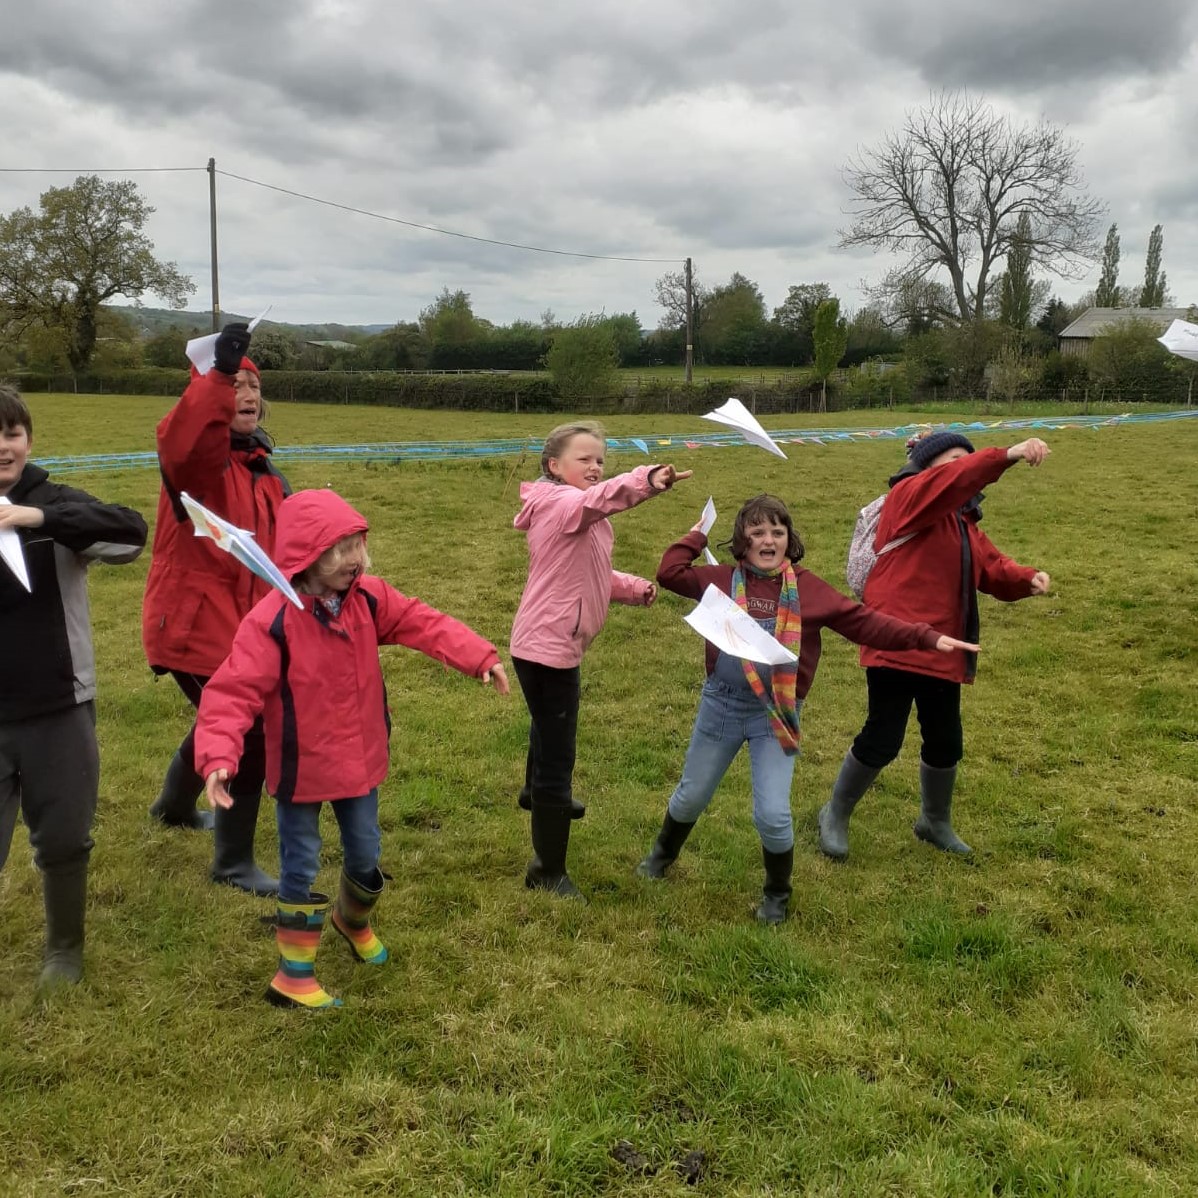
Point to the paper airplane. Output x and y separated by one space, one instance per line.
201 351
240 543
706 521
639 444
716 618
1181 338
13 553
735 415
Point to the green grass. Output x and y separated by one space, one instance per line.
1021 1024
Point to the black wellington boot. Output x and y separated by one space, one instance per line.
176 805
665 848
852 782
550 840
775 895
233 856
64 888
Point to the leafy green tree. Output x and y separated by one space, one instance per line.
401 347
831 335
274 349
583 360
167 348
84 246
1128 362
1152 295
625 329
451 331
1056 318
947 191
1015 309
1107 293
734 323
795 317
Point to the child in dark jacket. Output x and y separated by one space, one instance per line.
934 574
758 705
49 760
313 675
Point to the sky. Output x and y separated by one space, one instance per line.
635 129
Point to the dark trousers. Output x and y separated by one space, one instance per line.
251 770
937 707
552 698
50 772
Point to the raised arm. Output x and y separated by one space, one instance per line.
193 437
677 571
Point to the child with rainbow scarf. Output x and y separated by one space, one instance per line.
758 705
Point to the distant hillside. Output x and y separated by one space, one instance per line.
151 321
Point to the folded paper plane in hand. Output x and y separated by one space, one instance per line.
717 619
238 542
13 553
201 351
1181 338
706 521
735 415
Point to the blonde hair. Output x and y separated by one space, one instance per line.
329 562
560 437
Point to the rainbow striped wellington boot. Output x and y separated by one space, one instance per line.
351 917
297 932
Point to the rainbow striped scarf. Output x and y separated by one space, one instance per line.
778 700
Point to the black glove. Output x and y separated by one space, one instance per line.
231 346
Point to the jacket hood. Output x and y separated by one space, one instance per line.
530 494
309 523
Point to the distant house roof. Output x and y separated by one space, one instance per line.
332 344
1096 321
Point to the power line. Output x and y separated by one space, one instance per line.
62 170
411 224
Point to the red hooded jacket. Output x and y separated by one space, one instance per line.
316 678
921 579
196 594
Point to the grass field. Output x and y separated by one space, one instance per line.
1018 1024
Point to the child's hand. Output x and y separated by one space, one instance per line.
650 595
1033 451
16 515
1040 583
214 787
662 478
946 644
495 674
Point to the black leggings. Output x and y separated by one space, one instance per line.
251 769
552 696
937 706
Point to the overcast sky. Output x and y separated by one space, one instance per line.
649 129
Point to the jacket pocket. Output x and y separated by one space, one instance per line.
577 619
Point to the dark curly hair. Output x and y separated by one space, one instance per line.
764 509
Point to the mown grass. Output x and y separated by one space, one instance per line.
1019 1024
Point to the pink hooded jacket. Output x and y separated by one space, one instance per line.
570 579
315 678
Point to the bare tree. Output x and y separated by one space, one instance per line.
947 191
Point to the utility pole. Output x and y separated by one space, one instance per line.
690 331
212 220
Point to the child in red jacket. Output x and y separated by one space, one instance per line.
313 675
934 575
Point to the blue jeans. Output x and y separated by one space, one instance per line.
299 842
728 718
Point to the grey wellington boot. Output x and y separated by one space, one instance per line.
852 782
665 848
64 888
934 824
233 852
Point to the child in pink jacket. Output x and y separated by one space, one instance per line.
570 586
313 675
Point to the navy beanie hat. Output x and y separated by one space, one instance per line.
925 450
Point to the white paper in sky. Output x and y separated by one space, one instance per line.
1181 338
240 543
735 415
201 351
706 521
717 619
12 553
